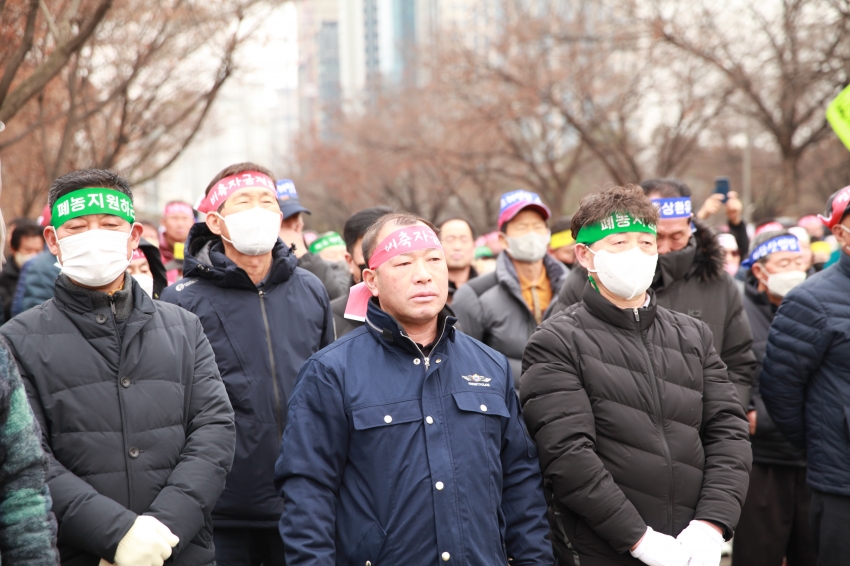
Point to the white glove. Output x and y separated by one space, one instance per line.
147 543
656 549
703 543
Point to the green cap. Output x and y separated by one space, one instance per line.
483 251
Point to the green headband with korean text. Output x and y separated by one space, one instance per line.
92 200
615 224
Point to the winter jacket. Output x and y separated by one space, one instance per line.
342 325
394 457
261 335
8 284
35 283
636 423
491 309
134 418
28 536
805 380
769 446
39 274
692 281
335 280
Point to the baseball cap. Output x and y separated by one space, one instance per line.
515 201
836 207
287 198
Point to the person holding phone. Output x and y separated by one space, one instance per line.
723 197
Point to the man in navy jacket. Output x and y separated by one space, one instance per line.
805 384
264 317
404 442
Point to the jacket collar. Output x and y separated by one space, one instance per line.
389 332
609 313
507 276
80 301
844 263
702 258
205 258
674 265
758 298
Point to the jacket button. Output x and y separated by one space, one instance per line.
134 452
417 361
388 419
439 360
446 556
439 485
100 318
429 420
368 563
125 382
483 408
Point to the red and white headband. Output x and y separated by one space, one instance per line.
229 185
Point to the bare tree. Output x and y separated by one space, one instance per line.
784 60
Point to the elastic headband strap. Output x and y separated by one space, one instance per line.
402 241
229 185
617 223
92 200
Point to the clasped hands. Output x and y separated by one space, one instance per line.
147 543
698 545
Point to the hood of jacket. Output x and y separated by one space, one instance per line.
154 257
205 258
702 258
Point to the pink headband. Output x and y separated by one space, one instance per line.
402 241
229 185
138 254
180 208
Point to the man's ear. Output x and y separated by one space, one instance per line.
52 241
584 256
135 236
214 223
370 279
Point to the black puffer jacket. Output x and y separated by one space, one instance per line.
134 416
691 281
636 424
769 446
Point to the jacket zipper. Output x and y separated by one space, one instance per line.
130 486
278 416
425 358
656 397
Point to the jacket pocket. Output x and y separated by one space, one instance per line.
369 548
386 415
482 403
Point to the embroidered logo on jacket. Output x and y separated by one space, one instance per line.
477 380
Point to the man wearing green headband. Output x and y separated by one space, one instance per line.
643 445
136 422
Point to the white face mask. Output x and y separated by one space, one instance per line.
626 274
145 282
254 231
529 248
94 258
780 284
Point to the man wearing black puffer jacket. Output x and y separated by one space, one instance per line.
775 520
690 279
643 445
264 318
135 420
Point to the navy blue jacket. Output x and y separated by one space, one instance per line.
256 331
393 457
805 380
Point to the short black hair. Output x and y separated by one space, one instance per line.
357 224
459 219
666 187
25 228
562 224
76 180
401 219
596 206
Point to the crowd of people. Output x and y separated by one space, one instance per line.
628 385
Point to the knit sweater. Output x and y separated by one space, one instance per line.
27 527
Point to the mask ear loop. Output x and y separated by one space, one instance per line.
590 278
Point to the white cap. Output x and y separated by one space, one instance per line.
727 241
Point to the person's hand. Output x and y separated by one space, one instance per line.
147 543
656 549
711 206
734 208
751 416
703 541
